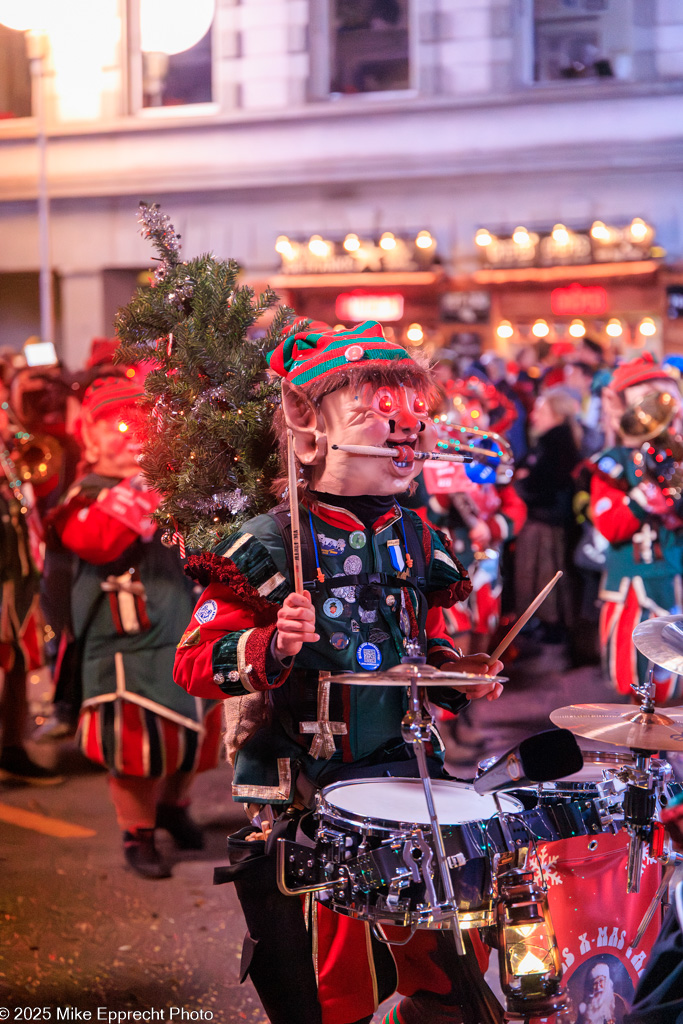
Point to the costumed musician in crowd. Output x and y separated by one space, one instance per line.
130 602
21 624
636 506
372 572
476 505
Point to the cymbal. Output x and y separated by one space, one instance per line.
425 675
661 641
624 726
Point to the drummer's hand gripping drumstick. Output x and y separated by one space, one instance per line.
294 515
524 618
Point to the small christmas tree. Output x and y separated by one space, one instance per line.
207 443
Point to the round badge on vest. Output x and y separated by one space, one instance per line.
333 607
340 641
357 539
369 657
353 565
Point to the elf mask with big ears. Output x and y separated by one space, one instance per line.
354 388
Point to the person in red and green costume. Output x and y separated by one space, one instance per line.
632 508
129 604
377 579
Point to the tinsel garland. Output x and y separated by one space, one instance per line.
157 225
231 501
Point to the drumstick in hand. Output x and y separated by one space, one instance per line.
524 618
294 515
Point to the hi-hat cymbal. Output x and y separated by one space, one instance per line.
661 641
624 726
425 675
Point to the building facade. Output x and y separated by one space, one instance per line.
414 128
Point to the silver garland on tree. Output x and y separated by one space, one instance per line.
222 501
156 224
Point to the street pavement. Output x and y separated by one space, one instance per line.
79 930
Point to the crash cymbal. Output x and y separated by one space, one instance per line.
624 726
661 641
425 675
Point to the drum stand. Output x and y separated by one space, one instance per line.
416 730
477 1002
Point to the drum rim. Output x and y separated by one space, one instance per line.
395 824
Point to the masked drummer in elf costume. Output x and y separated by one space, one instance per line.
373 573
632 509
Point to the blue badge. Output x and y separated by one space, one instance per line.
369 657
396 555
340 641
608 465
206 612
333 607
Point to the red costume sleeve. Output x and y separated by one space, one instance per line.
223 650
90 533
613 513
510 517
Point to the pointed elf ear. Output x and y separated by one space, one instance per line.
305 422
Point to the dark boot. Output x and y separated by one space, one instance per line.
15 764
175 819
470 999
276 954
142 855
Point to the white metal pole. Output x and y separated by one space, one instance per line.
36 45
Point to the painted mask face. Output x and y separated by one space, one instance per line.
111 445
384 417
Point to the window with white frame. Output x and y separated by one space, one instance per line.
576 39
369 46
15 78
173 40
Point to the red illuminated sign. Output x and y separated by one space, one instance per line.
359 306
579 300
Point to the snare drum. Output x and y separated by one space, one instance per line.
376 845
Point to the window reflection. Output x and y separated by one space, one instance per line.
370 44
15 79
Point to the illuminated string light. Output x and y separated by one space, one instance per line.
540 329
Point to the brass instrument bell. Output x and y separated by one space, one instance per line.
36 457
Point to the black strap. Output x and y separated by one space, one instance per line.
282 517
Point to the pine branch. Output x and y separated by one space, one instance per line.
208 445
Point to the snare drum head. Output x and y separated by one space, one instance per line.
403 800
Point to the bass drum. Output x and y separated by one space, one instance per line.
376 844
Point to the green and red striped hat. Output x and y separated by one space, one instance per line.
107 394
317 352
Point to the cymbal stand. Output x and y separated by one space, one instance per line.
416 729
640 802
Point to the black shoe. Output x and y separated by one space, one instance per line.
17 765
176 820
142 855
